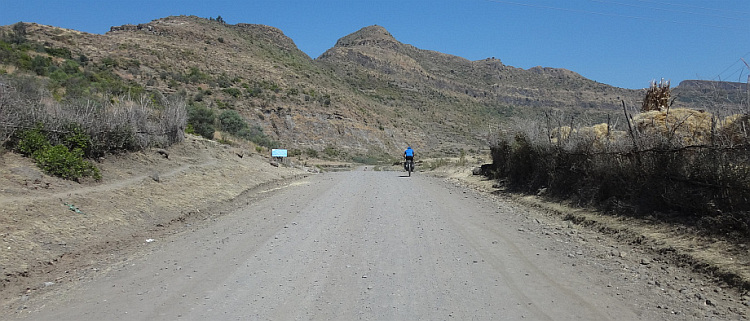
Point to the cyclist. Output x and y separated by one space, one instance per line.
409 157
409 154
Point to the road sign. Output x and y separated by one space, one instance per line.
278 153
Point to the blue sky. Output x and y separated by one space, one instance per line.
624 43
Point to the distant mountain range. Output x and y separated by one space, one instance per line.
368 94
721 96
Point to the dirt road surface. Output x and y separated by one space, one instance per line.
370 245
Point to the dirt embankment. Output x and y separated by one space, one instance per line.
55 231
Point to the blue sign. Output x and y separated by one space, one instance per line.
278 153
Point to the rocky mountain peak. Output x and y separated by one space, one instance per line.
368 36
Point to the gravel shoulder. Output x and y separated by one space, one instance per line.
669 268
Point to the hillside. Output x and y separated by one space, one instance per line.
373 60
370 95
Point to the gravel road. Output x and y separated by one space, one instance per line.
359 245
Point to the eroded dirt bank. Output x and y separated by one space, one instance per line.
55 231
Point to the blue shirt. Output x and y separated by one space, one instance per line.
409 152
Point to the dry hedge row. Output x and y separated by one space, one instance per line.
684 165
119 124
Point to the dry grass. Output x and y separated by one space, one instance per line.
599 137
677 125
735 129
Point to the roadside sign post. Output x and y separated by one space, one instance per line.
279 154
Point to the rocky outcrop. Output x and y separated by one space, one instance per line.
140 27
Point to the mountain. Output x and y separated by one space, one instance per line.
723 96
710 84
368 95
371 58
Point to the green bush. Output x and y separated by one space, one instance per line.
110 62
222 104
366 159
31 141
255 134
18 35
234 92
254 91
232 122
7 54
58 160
311 153
76 138
295 152
223 81
195 75
40 65
70 67
374 156
59 52
58 77
202 119
331 152
23 61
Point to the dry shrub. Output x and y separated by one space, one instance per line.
601 131
599 137
678 125
657 97
560 134
684 164
675 161
8 99
735 128
119 124
137 124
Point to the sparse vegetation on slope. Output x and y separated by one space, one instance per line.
367 95
58 135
